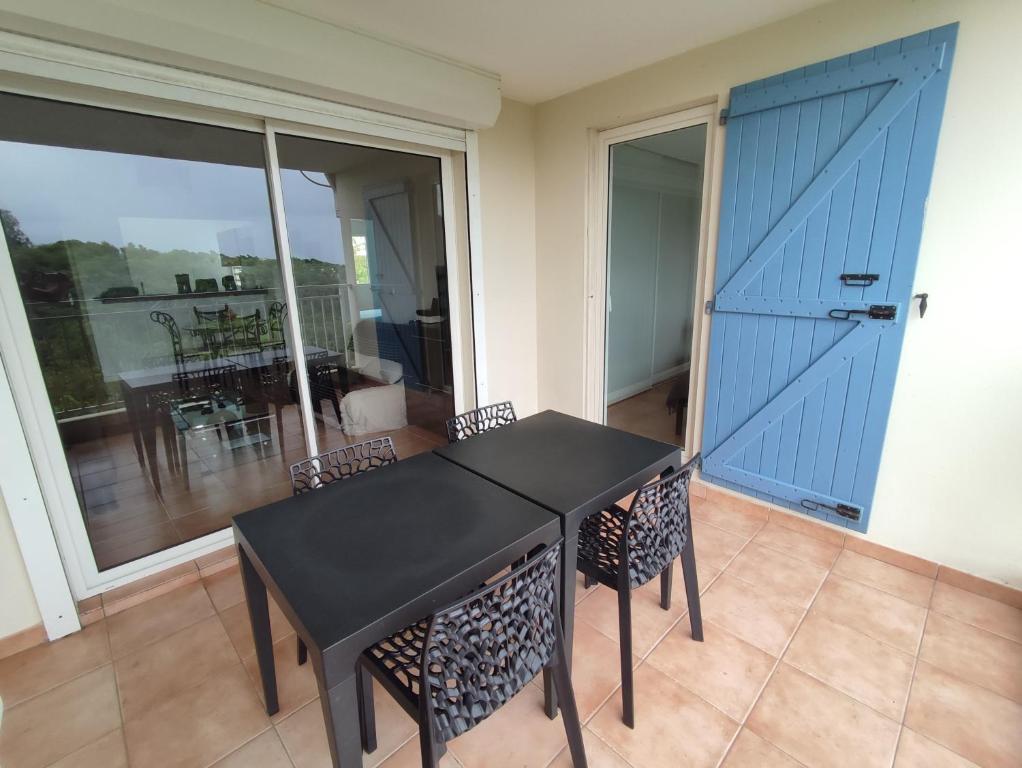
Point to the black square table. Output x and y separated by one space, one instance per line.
570 466
361 558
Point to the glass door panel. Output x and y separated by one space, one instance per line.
652 254
366 234
144 253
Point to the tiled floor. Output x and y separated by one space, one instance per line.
814 655
646 414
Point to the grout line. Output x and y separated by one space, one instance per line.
911 685
773 671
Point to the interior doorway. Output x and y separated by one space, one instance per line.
654 215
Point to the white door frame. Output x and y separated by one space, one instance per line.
104 80
596 252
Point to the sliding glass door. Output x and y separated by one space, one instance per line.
366 235
145 252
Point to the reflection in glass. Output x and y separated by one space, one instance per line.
652 255
145 256
366 233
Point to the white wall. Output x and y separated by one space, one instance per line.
19 607
947 487
508 192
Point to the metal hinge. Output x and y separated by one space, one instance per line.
844 510
723 116
708 309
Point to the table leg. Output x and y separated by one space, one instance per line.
131 411
147 426
569 561
259 615
340 711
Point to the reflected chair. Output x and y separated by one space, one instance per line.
276 387
625 548
339 464
452 670
176 344
275 324
321 383
480 420
244 333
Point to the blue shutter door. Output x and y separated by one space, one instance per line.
826 173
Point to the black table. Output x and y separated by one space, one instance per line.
570 466
362 558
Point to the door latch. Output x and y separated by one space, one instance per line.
922 302
873 312
846 511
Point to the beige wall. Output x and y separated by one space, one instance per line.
507 183
19 609
947 488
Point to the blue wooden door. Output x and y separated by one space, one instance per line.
826 174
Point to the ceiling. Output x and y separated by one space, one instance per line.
543 49
688 144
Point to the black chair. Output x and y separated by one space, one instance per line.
322 385
244 333
339 464
480 420
275 323
625 548
452 670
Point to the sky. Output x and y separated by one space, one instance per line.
163 204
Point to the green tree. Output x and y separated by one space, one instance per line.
16 237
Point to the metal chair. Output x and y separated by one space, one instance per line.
339 464
480 420
452 670
176 344
625 548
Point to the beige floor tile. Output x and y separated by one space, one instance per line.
673 726
715 547
742 522
786 577
141 590
982 612
264 751
38 669
724 670
106 752
200 726
885 577
650 622
883 617
970 721
750 751
820 726
595 669
410 756
580 589
973 654
598 754
239 627
296 685
304 732
225 588
917 751
810 526
752 613
151 621
866 669
798 545
501 735
705 575
61 721
172 666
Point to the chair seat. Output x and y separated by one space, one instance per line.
599 542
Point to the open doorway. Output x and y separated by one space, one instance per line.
654 211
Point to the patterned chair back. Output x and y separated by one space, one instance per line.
341 464
658 525
486 648
480 420
167 321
